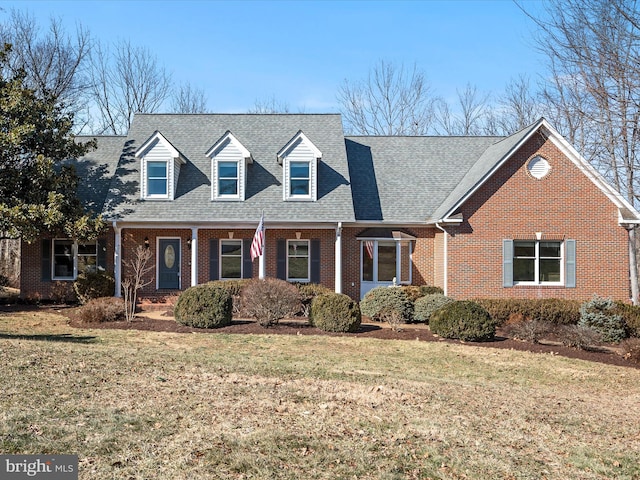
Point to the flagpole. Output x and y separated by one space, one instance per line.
261 263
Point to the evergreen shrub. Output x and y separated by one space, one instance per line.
463 320
91 285
335 312
599 314
386 300
425 306
204 306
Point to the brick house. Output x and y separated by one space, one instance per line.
517 216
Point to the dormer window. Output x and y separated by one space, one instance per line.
160 164
299 159
229 160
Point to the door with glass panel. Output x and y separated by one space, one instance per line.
169 263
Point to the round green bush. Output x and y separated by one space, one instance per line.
90 285
463 320
427 305
335 312
204 306
383 300
430 289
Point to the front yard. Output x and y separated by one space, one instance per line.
144 405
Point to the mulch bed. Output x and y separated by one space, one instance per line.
407 332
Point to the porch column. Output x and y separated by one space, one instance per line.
398 262
194 256
338 259
117 260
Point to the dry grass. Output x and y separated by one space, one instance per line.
140 405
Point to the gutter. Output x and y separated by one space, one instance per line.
446 257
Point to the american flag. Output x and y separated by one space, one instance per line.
258 240
369 246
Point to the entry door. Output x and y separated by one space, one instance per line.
379 265
169 263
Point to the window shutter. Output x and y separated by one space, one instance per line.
315 261
570 263
102 254
46 260
213 259
507 263
247 263
281 250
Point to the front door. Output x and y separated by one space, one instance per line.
169 263
379 265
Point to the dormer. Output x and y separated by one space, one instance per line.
160 164
229 160
299 159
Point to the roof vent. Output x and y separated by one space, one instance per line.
538 167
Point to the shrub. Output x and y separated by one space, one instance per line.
413 292
307 292
4 282
430 290
270 300
204 306
425 306
630 315
578 336
552 310
90 285
234 288
387 299
63 292
631 349
598 314
464 320
530 330
335 312
98 310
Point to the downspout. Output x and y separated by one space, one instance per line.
446 258
117 260
633 263
338 259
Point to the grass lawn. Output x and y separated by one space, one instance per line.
145 405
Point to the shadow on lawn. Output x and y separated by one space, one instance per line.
63 337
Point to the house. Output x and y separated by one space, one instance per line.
517 216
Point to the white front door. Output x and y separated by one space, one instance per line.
379 263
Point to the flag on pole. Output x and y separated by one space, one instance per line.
258 240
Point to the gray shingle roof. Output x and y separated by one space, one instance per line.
263 136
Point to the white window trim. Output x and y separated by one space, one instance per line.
300 280
163 196
243 158
313 156
74 253
536 274
216 176
293 196
239 241
398 244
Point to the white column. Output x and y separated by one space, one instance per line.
261 265
194 257
398 262
338 260
117 260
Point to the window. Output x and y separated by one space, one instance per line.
299 179
230 259
537 262
69 259
298 260
157 179
386 260
228 178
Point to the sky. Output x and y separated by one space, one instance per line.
300 52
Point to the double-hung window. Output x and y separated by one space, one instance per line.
70 259
537 262
228 179
230 259
298 260
157 179
299 179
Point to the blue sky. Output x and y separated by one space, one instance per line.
300 52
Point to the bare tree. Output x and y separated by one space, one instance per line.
125 81
188 99
517 108
392 100
136 279
53 60
270 105
472 113
594 53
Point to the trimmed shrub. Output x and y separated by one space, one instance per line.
270 300
335 312
464 320
387 299
99 310
513 310
577 336
413 292
598 314
234 288
425 306
630 315
307 292
90 285
204 306
430 290
631 349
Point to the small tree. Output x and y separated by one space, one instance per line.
138 268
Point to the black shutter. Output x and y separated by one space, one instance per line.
213 259
46 260
281 250
247 263
102 254
315 261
